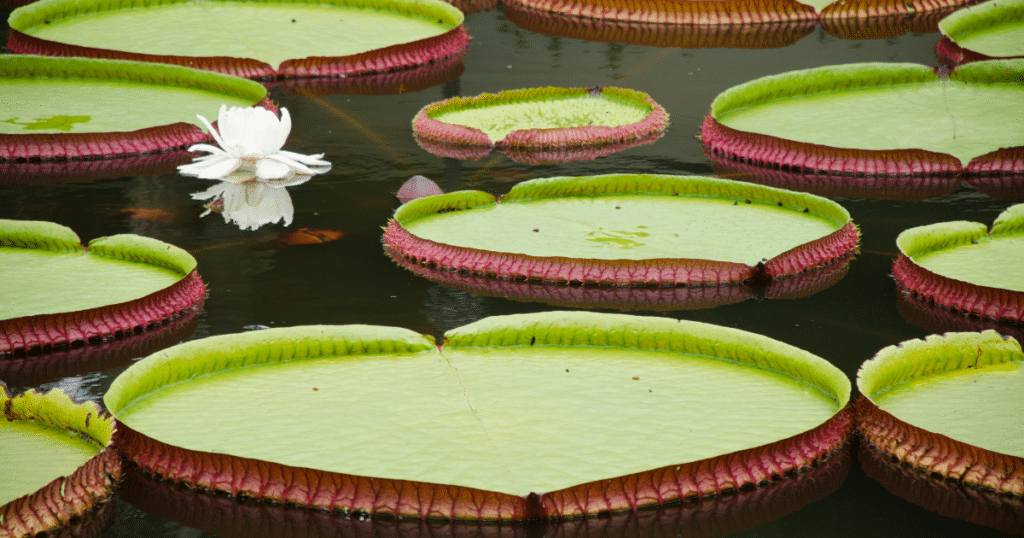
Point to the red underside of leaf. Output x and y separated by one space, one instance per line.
693 12
948 499
394 58
630 298
48 330
938 455
753 36
887 25
392 83
984 301
418 500
713 516
953 55
32 370
60 147
939 320
63 500
728 144
79 170
1002 162
663 271
462 152
472 6
911 188
532 156
873 9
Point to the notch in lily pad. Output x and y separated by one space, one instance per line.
965 267
625 230
498 392
541 125
264 39
875 119
115 286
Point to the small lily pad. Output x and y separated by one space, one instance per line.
875 120
76 108
551 121
993 29
950 406
964 266
629 229
502 394
257 39
56 291
58 463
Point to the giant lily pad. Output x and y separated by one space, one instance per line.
540 125
993 29
875 119
76 108
58 462
949 406
964 266
256 39
625 230
56 291
550 415
736 12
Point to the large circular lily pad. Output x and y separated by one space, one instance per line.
950 406
625 230
539 125
56 291
255 39
875 120
550 415
58 462
737 12
77 108
993 29
964 266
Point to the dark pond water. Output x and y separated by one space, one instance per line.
253 283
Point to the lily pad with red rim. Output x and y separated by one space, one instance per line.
993 29
875 119
539 125
949 406
258 39
58 292
552 415
966 267
625 230
738 12
58 463
82 109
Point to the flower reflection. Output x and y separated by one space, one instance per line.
250 142
251 204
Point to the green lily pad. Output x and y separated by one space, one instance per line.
255 39
546 120
950 405
872 119
501 393
623 229
994 28
76 107
55 463
55 291
963 265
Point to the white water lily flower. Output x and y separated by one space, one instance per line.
250 142
251 204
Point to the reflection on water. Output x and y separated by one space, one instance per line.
253 203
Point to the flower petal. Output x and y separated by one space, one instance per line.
216 170
268 169
207 148
199 166
211 130
313 160
294 165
